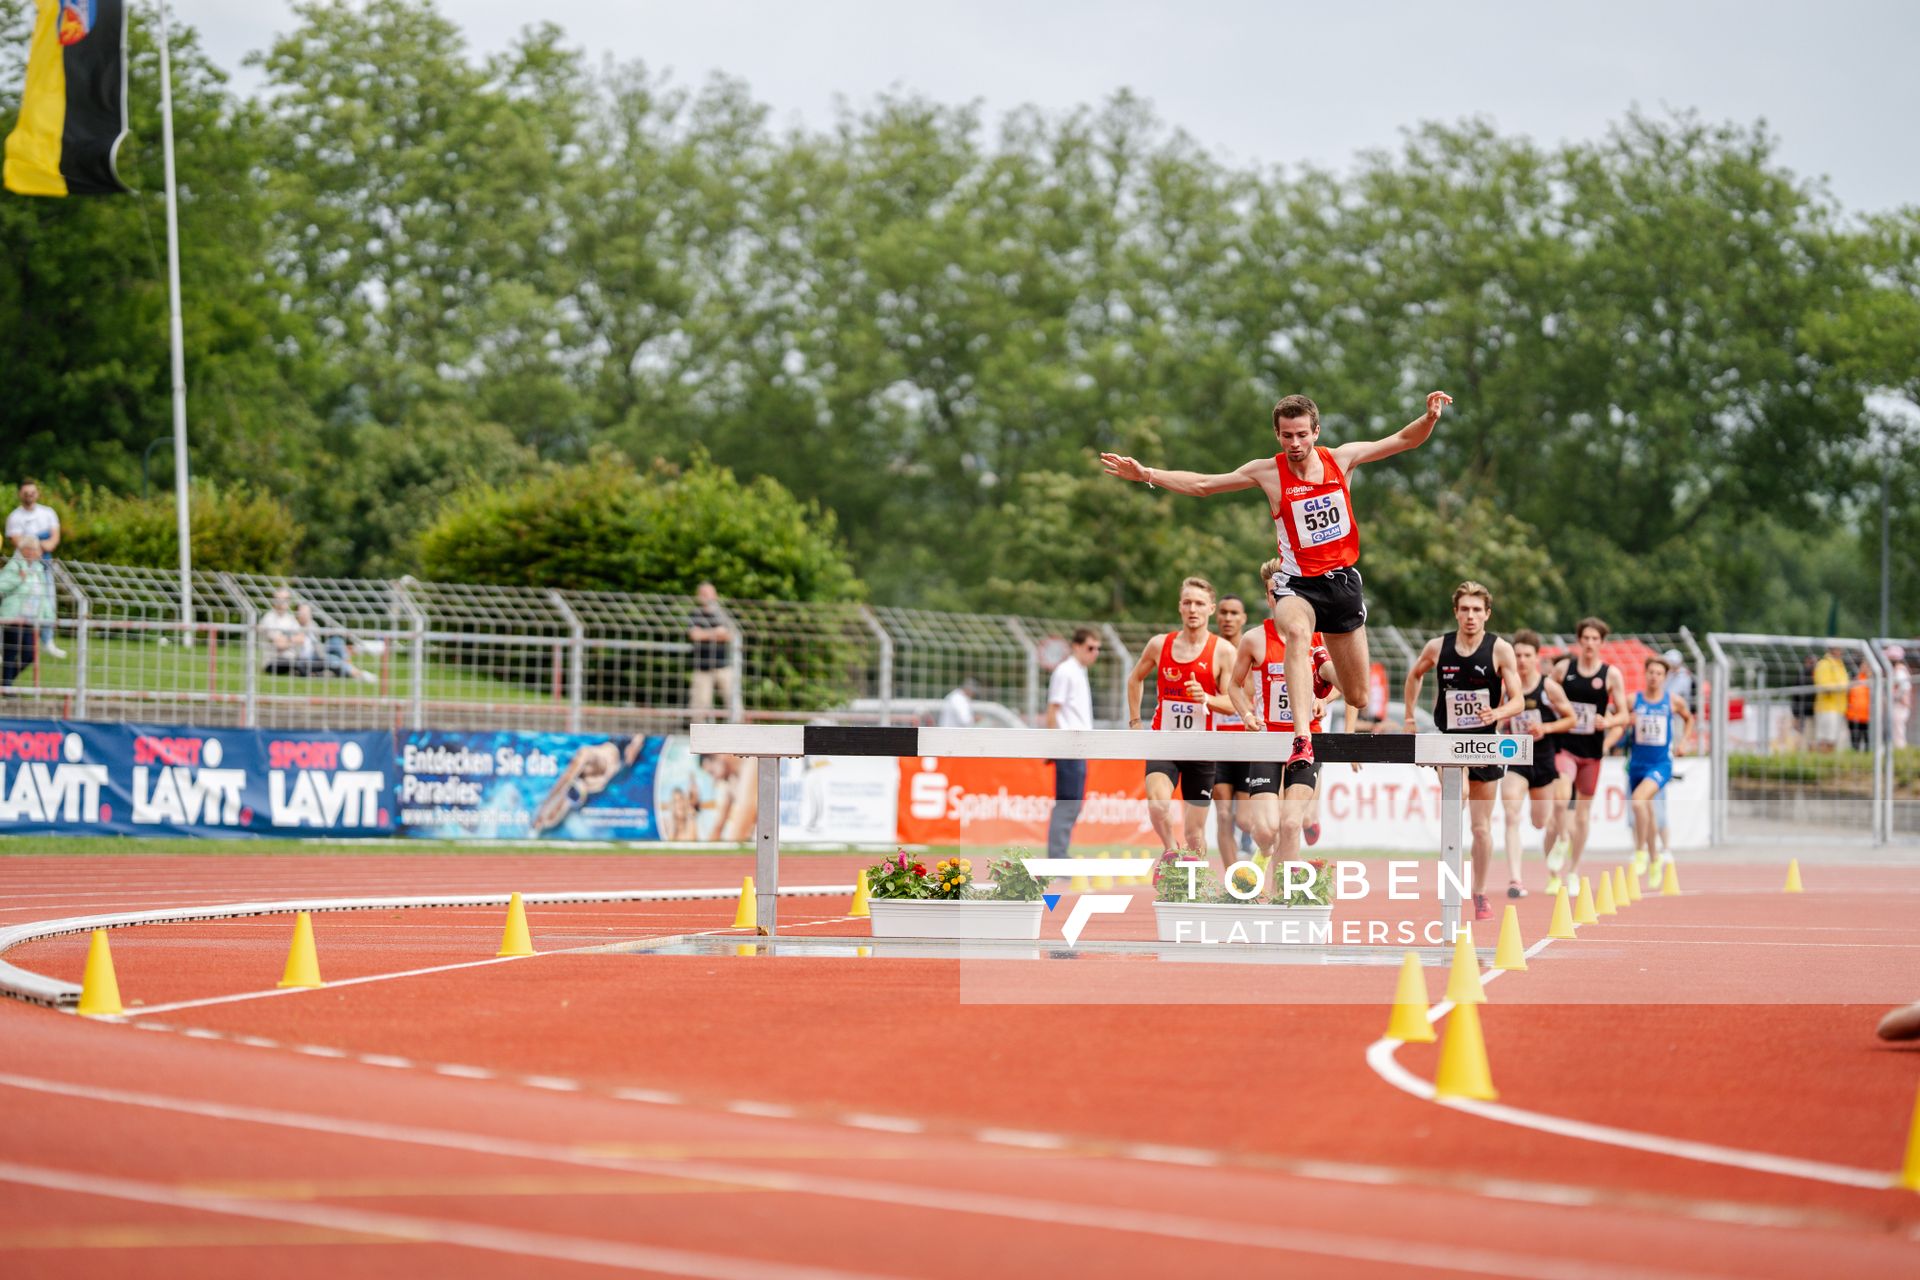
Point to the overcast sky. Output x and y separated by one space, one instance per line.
1281 82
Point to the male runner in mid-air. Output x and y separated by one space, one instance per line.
1190 667
1650 759
1475 667
1598 693
591 771
1532 785
1314 529
1281 796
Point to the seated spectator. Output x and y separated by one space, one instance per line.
327 654
26 603
279 636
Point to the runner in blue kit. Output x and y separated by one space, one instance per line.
1650 760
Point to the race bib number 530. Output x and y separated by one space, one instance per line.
1322 519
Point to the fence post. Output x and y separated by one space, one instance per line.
576 661
884 678
82 613
249 650
1718 747
1122 663
1878 689
1033 666
418 694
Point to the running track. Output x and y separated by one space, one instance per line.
753 1116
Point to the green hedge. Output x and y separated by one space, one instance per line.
234 529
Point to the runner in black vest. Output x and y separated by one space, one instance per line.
1531 786
1476 667
1598 693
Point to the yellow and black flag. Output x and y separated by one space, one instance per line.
73 113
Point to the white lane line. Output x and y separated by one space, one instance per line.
385 1060
407 1229
557 1084
460 1072
1021 1138
883 1124
338 982
658 1097
1170 1155
1380 1057
766 1110
1412 1254
319 1051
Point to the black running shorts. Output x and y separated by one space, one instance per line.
1195 778
1339 605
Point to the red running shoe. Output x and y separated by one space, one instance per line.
1312 833
1302 750
1482 909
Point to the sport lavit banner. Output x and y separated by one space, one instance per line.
74 778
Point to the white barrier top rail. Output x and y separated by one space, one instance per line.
1106 744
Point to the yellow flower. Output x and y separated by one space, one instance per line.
966 864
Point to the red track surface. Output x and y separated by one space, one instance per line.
1734 1015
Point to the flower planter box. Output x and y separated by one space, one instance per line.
937 918
1222 923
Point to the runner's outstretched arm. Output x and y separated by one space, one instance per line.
1137 678
1509 668
1244 656
1416 676
1192 483
1358 452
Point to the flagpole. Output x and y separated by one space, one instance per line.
181 521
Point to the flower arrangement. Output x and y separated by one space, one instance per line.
1012 882
1316 893
903 877
1170 882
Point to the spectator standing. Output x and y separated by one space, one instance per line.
1679 680
956 709
1860 711
712 641
1829 700
1900 704
26 601
35 519
1070 706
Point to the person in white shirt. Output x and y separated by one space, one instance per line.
956 709
1070 706
1900 705
35 519
281 637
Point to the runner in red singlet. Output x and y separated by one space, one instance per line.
1279 796
1232 813
1317 537
1190 668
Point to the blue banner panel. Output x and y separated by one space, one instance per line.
518 786
130 779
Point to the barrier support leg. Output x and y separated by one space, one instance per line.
766 879
1452 795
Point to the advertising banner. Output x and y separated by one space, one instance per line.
953 800
521 786
130 779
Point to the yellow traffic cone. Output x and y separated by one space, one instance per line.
1621 894
99 989
1561 926
1463 1071
747 914
1670 881
1633 885
1512 951
1078 884
1583 912
303 966
1910 1172
516 941
1101 881
1793 877
1603 903
1463 980
1408 1022
858 907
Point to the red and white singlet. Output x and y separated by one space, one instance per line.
1275 707
1177 708
1313 526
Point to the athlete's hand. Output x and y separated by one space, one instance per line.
1437 401
1124 467
1536 731
1196 690
1255 724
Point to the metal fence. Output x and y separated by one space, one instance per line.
315 653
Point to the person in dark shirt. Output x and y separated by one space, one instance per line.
712 639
